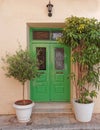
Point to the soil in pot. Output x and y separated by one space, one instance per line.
23 102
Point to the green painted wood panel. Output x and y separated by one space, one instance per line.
60 85
53 84
40 86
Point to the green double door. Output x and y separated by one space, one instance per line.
52 85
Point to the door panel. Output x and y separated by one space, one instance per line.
52 85
40 86
60 88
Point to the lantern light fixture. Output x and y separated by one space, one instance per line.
49 6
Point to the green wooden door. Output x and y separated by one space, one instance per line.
53 84
60 85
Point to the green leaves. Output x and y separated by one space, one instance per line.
83 36
80 28
93 94
22 66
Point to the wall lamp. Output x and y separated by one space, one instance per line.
49 6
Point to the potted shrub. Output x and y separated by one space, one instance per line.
83 36
23 67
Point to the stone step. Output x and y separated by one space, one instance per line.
52 108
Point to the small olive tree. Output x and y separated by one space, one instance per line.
83 36
22 66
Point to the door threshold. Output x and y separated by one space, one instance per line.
53 107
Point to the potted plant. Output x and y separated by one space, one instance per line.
82 35
23 67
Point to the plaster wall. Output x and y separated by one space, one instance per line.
16 16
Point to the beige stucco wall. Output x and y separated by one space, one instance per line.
14 18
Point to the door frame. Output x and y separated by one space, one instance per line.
32 41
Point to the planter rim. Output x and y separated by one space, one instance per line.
23 106
74 100
18 102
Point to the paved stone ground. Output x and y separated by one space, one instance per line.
49 121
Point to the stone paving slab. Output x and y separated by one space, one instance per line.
49 122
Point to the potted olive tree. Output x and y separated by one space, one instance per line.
23 67
83 36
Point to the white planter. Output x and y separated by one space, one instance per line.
83 112
23 112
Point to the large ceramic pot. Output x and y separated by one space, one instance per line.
83 112
23 112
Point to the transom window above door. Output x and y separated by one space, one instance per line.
46 34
